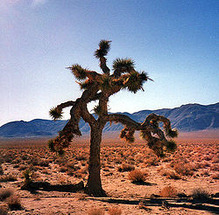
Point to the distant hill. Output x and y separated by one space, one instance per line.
190 117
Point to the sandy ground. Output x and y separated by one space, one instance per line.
116 184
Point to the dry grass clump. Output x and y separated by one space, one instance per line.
215 176
96 211
215 167
14 202
184 169
126 168
6 178
171 174
3 209
168 192
1 170
115 211
200 194
5 193
137 176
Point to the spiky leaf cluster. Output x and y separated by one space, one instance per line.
128 135
55 113
134 82
78 71
122 66
85 85
171 133
170 146
104 47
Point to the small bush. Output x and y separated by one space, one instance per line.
5 193
1 170
3 209
96 211
168 192
200 194
115 211
126 168
215 176
184 169
137 176
171 174
14 202
10 177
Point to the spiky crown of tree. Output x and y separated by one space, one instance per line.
97 86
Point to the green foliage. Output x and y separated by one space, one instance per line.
128 135
122 66
51 146
200 194
133 82
85 85
78 71
55 113
171 146
27 176
171 133
61 152
106 83
143 134
104 47
97 110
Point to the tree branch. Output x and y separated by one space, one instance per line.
125 120
65 104
149 129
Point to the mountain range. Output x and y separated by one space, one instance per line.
190 117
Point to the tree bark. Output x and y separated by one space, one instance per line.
94 185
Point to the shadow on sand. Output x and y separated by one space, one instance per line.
210 205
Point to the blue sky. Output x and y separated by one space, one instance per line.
176 42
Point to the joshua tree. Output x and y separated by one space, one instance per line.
99 87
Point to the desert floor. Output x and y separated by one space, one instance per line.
193 168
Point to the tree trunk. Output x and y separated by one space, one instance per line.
94 186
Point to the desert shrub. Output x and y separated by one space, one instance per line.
115 211
1 170
215 176
81 157
171 174
184 169
5 193
204 164
72 166
215 167
6 178
151 161
44 163
168 192
126 168
137 176
27 174
200 194
205 173
63 169
3 209
22 167
14 202
96 211
215 159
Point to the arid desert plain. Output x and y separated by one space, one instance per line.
135 179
